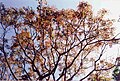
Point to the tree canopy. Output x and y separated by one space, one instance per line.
54 45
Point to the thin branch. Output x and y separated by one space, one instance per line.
3 50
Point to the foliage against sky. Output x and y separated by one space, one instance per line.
52 44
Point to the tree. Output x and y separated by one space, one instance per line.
116 71
51 44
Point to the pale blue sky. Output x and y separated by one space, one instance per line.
60 4
19 3
57 3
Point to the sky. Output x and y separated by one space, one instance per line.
113 7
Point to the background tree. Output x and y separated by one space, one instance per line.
51 44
